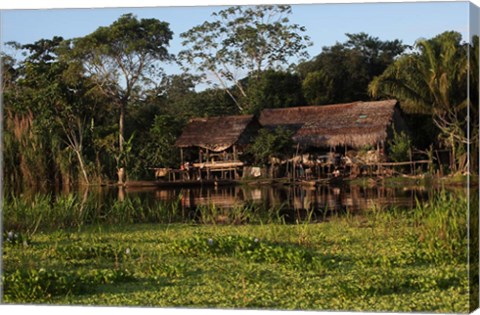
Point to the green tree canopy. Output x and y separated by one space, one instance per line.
273 89
341 73
433 79
241 40
46 115
124 59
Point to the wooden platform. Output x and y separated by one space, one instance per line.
219 165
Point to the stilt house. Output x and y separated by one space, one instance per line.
213 145
341 134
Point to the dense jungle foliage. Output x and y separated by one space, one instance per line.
100 108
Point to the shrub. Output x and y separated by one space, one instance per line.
270 144
400 147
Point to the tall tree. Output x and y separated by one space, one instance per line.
319 88
433 79
176 96
30 135
273 89
9 72
242 40
342 72
125 59
48 98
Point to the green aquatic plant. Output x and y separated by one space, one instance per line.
349 264
251 248
96 250
44 284
43 212
442 227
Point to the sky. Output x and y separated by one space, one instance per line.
326 24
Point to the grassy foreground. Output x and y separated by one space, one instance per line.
382 260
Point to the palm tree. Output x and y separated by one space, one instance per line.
433 79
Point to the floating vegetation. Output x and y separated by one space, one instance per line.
384 259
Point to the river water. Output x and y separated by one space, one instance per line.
337 198
291 202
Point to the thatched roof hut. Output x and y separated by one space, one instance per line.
218 133
355 124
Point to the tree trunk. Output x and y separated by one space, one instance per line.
454 156
121 175
121 128
121 138
82 166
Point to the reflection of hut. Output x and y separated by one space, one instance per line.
222 198
340 128
215 144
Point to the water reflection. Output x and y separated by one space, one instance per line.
323 198
229 203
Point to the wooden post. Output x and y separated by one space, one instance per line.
378 157
412 171
235 157
181 155
292 172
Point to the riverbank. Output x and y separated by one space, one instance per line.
381 260
425 180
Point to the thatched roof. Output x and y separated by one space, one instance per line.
354 124
216 133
